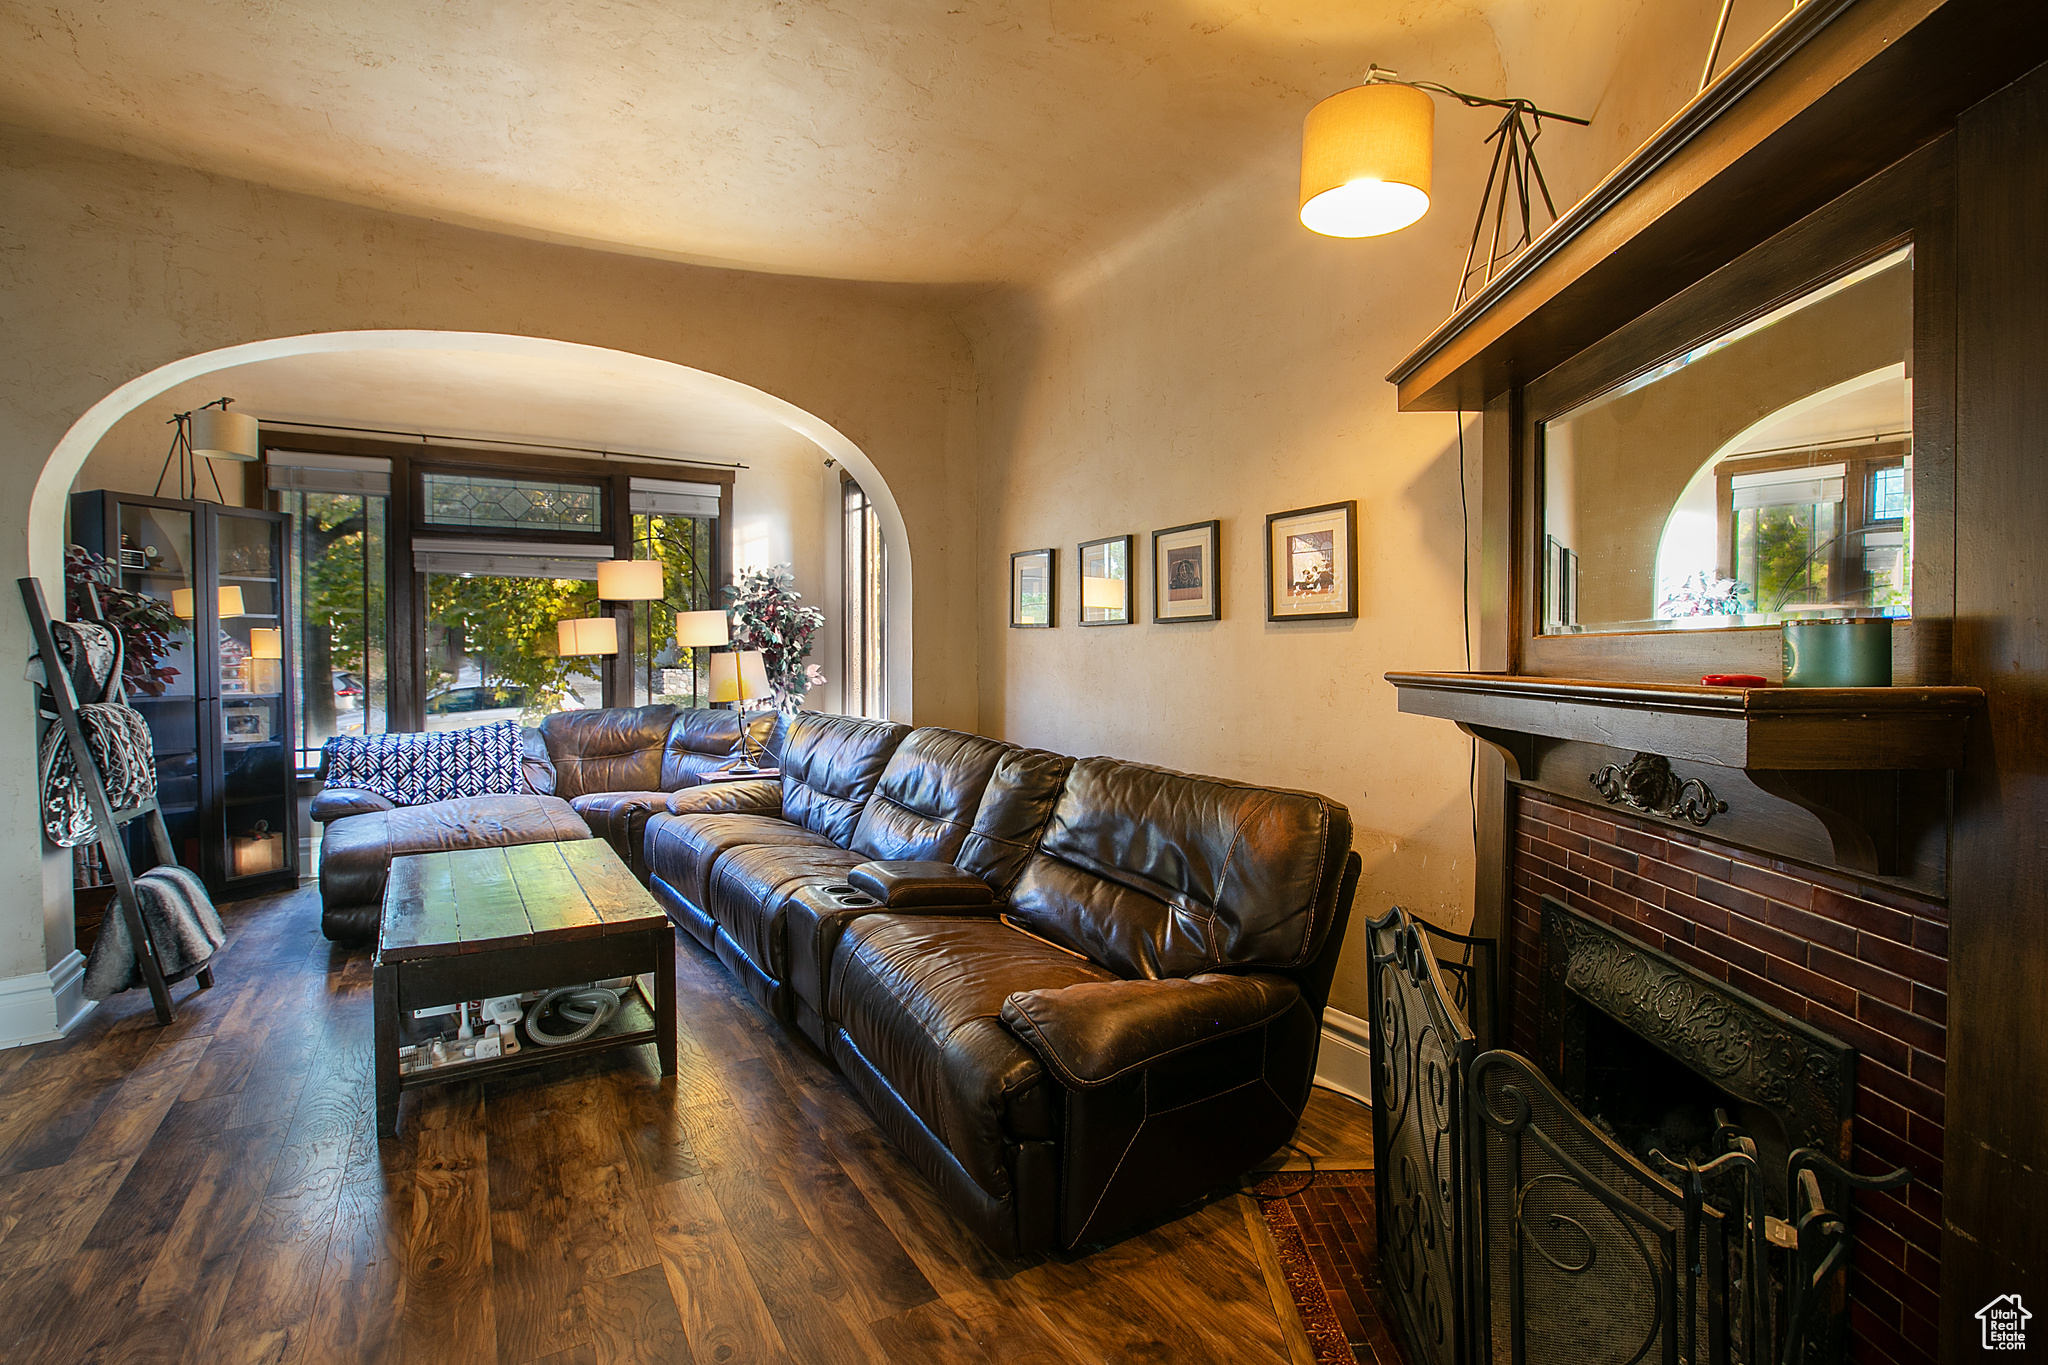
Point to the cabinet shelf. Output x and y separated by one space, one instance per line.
204 767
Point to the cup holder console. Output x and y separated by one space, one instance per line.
850 897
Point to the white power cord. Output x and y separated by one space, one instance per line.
586 1007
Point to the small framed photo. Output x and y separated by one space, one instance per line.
1106 571
1033 597
245 725
1184 586
1312 563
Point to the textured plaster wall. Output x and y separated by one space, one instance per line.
111 267
1227 363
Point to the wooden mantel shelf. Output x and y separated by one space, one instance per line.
1753 728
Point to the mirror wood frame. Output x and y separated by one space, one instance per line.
1913 202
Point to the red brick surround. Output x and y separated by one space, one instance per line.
1868 966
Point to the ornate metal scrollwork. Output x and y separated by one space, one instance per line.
1421 1050
1646 783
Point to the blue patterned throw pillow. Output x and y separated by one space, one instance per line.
413 769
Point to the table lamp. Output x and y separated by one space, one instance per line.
740 676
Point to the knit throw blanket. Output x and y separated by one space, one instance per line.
180 920
413 769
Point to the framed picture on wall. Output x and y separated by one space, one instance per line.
1312 563
1106 573
1033 598
1184 586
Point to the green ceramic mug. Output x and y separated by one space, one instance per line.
1838 651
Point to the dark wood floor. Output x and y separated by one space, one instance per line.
215 1192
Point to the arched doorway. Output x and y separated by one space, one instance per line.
24 1000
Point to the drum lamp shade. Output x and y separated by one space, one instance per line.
265 643
699 628
587 635
1365 160
630 580
219 434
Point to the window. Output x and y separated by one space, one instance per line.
863 597
663 672
491 648
461 573
488 502
338 574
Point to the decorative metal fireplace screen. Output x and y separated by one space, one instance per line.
1514 1228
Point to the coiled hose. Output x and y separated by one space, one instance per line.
586 1007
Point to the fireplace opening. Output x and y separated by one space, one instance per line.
1649 1102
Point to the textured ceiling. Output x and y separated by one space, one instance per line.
909 140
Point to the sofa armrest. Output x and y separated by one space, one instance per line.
337 803
763 797
1097 1032
913 885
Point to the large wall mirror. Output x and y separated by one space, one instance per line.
1766 472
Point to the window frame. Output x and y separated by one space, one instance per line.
863 652
405 589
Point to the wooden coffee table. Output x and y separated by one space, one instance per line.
469 924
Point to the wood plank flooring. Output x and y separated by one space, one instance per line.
215 1192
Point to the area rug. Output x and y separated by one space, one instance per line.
1323 1234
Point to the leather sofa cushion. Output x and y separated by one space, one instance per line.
759 796
338 803
750 891
356 853
615 749
683 850
1155 873
1100 1031
1018 801
703 740
920 997
927 796
620 818
830 766
911 885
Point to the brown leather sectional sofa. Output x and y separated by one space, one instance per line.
1077 992
586 772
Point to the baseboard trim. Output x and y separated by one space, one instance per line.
40 1007
1344 1063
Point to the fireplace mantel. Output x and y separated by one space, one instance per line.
1814 747
1753 728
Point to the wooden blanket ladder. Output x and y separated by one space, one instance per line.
108 821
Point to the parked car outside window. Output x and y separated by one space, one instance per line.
456 708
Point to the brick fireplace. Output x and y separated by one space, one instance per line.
1867 965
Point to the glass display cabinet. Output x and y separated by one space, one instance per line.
222 722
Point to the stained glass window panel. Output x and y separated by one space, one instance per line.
483 500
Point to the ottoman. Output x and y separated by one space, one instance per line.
356 851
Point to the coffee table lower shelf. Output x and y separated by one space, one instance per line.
633 1026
